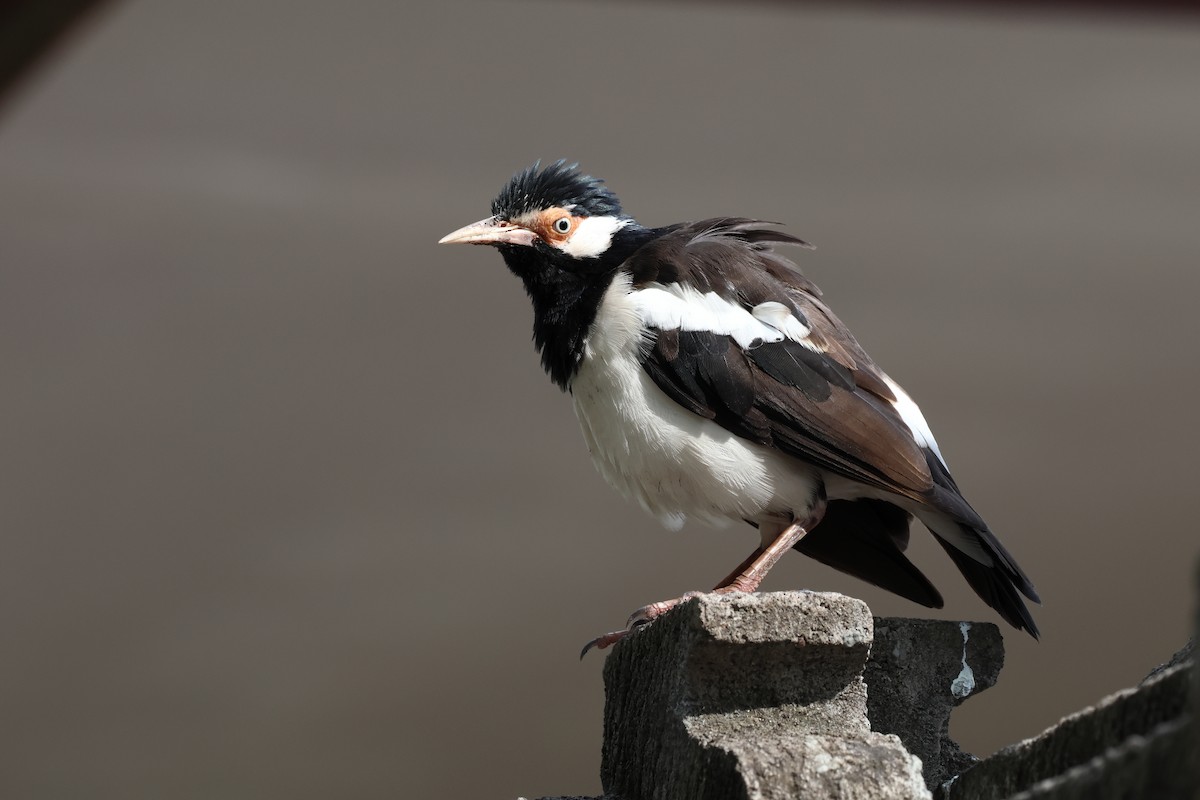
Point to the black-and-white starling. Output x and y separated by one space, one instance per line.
711 381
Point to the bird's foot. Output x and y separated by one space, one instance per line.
643 616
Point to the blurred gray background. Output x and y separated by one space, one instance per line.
288 508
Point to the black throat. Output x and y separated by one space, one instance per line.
566 294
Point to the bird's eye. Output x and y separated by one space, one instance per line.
562 225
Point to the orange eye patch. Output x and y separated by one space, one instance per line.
556 225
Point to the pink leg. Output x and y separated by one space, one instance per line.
746 577
739 569
755 568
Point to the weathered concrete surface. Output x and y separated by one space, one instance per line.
760 697
749 696
921 670
1143 742
1136 743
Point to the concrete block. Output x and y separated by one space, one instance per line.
749 696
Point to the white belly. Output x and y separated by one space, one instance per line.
672 462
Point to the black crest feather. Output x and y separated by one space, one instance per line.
559 184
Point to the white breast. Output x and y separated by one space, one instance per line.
673 463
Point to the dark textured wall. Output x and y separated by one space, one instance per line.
287 508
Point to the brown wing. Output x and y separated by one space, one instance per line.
826 403
818 397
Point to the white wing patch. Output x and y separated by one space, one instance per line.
914 419
675 306
780 317
675 464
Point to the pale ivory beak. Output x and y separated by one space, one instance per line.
492 230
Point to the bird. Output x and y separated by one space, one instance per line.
712 382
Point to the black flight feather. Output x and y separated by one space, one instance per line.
866 539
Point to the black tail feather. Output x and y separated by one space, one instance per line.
997 584
866 538
1009 564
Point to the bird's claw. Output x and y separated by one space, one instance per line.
643 616
604 641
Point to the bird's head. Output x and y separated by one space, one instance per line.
555 218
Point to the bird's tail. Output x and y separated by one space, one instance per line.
988 567
866 539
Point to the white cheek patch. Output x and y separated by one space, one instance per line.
592 236
677 307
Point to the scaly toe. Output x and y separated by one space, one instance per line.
643 616
651 612
602 642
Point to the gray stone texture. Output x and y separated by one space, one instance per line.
769 696
1143 742
749 696
918 673
1136 743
